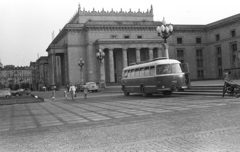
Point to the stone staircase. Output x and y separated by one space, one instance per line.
203 90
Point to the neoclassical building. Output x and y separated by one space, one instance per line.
129 37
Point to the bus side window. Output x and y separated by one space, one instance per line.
132 73
146 71
125 74
136 73
141 72
129 74
151 71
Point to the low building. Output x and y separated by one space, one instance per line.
15 77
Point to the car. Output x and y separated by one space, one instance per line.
5 92
16 93
91 86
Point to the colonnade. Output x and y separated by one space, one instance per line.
152 53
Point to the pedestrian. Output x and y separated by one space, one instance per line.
85 91
72 90
53 95
227 76
66 94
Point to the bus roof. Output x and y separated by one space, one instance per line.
152 63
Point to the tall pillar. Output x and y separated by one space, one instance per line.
102 74
138 59
58 66
53 56
111 65
159 52
150 53
124 56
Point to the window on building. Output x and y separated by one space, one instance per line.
200 73
219 61
233 47
199 52
220 72
113 36
199 63
179 40
139 36
126 36
198 40
217 37
233 33
180 53
219 50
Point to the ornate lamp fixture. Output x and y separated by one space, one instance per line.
81 63
165 30
100 55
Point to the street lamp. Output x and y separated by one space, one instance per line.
100 56
81 64
164 31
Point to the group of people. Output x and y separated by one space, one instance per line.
72 90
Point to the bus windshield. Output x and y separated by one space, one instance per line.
168 69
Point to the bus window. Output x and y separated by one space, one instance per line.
136 73
151 71
132 74
129 74
146 71
141 72
125 74
163 69
176 68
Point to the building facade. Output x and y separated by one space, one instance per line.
129 37
10 76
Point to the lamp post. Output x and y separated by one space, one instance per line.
81 64
100 56
164 31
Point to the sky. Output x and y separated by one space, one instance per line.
26 26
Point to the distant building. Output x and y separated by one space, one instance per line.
11 75
41 74
127 37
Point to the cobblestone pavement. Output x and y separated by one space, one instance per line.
117 123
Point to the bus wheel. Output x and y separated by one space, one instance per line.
167 92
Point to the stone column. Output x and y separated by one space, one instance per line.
102 74
111 65
150 51
53 67
138 58
124 56
159 52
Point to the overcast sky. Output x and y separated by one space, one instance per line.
26 26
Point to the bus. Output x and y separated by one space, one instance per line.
160 75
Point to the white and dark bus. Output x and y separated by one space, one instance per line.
160 75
